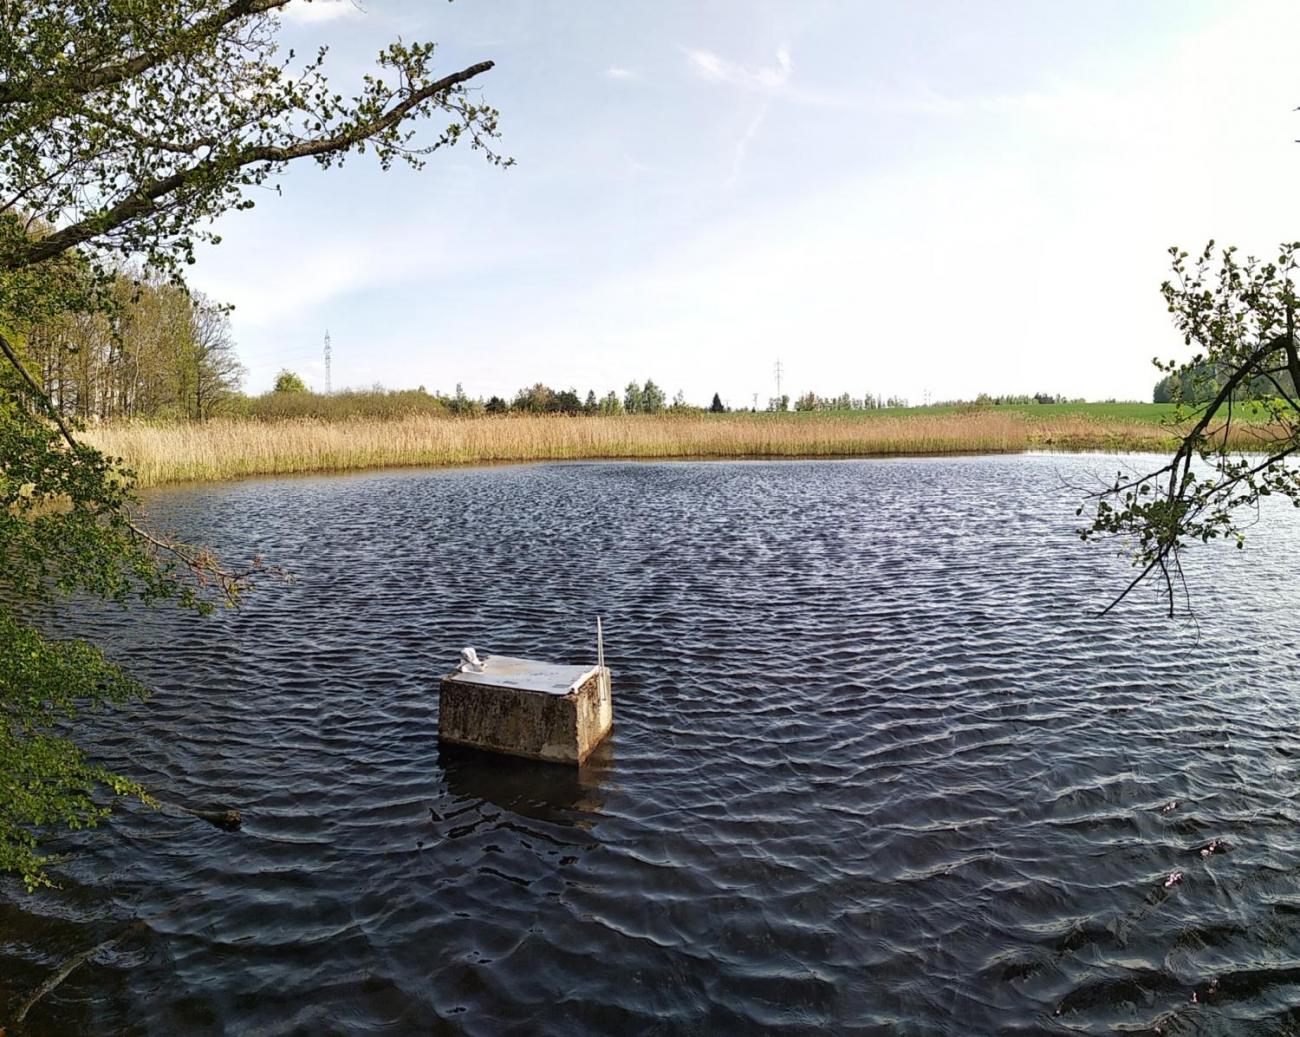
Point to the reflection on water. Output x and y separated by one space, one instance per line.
547 792
876 766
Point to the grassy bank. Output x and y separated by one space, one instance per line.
231 449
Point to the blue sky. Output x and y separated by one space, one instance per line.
935 198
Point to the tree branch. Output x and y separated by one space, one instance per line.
1292 361
46 403
201 565
32 90
70 966
1187 448
145 198
1159 559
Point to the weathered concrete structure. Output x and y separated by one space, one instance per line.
544 711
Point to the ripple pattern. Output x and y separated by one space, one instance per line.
877 767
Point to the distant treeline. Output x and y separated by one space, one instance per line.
1021 399
292 399
813 402
162 352
1202 382
165 353
541 399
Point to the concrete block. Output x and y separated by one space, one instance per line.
520 707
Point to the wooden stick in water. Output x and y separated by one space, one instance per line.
69 966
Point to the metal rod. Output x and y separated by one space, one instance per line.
600 658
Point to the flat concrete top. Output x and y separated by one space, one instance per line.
504 671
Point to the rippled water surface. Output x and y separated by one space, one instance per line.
876 766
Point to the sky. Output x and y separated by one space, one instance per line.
927 200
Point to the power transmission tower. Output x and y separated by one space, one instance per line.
328 355
780 370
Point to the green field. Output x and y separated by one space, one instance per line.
1152 413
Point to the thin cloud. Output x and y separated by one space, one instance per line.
766 80
776 82
615 72
742 146
769 79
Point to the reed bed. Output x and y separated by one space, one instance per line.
229 449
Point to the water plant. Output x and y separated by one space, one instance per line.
224 449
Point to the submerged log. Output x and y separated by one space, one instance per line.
69 966
227 819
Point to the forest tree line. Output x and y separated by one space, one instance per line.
1200 383
157 350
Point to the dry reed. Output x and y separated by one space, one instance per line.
234 448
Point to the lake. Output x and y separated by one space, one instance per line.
877 765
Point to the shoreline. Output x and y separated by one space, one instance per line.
225 450
415 467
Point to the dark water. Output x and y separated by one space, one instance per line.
876 768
